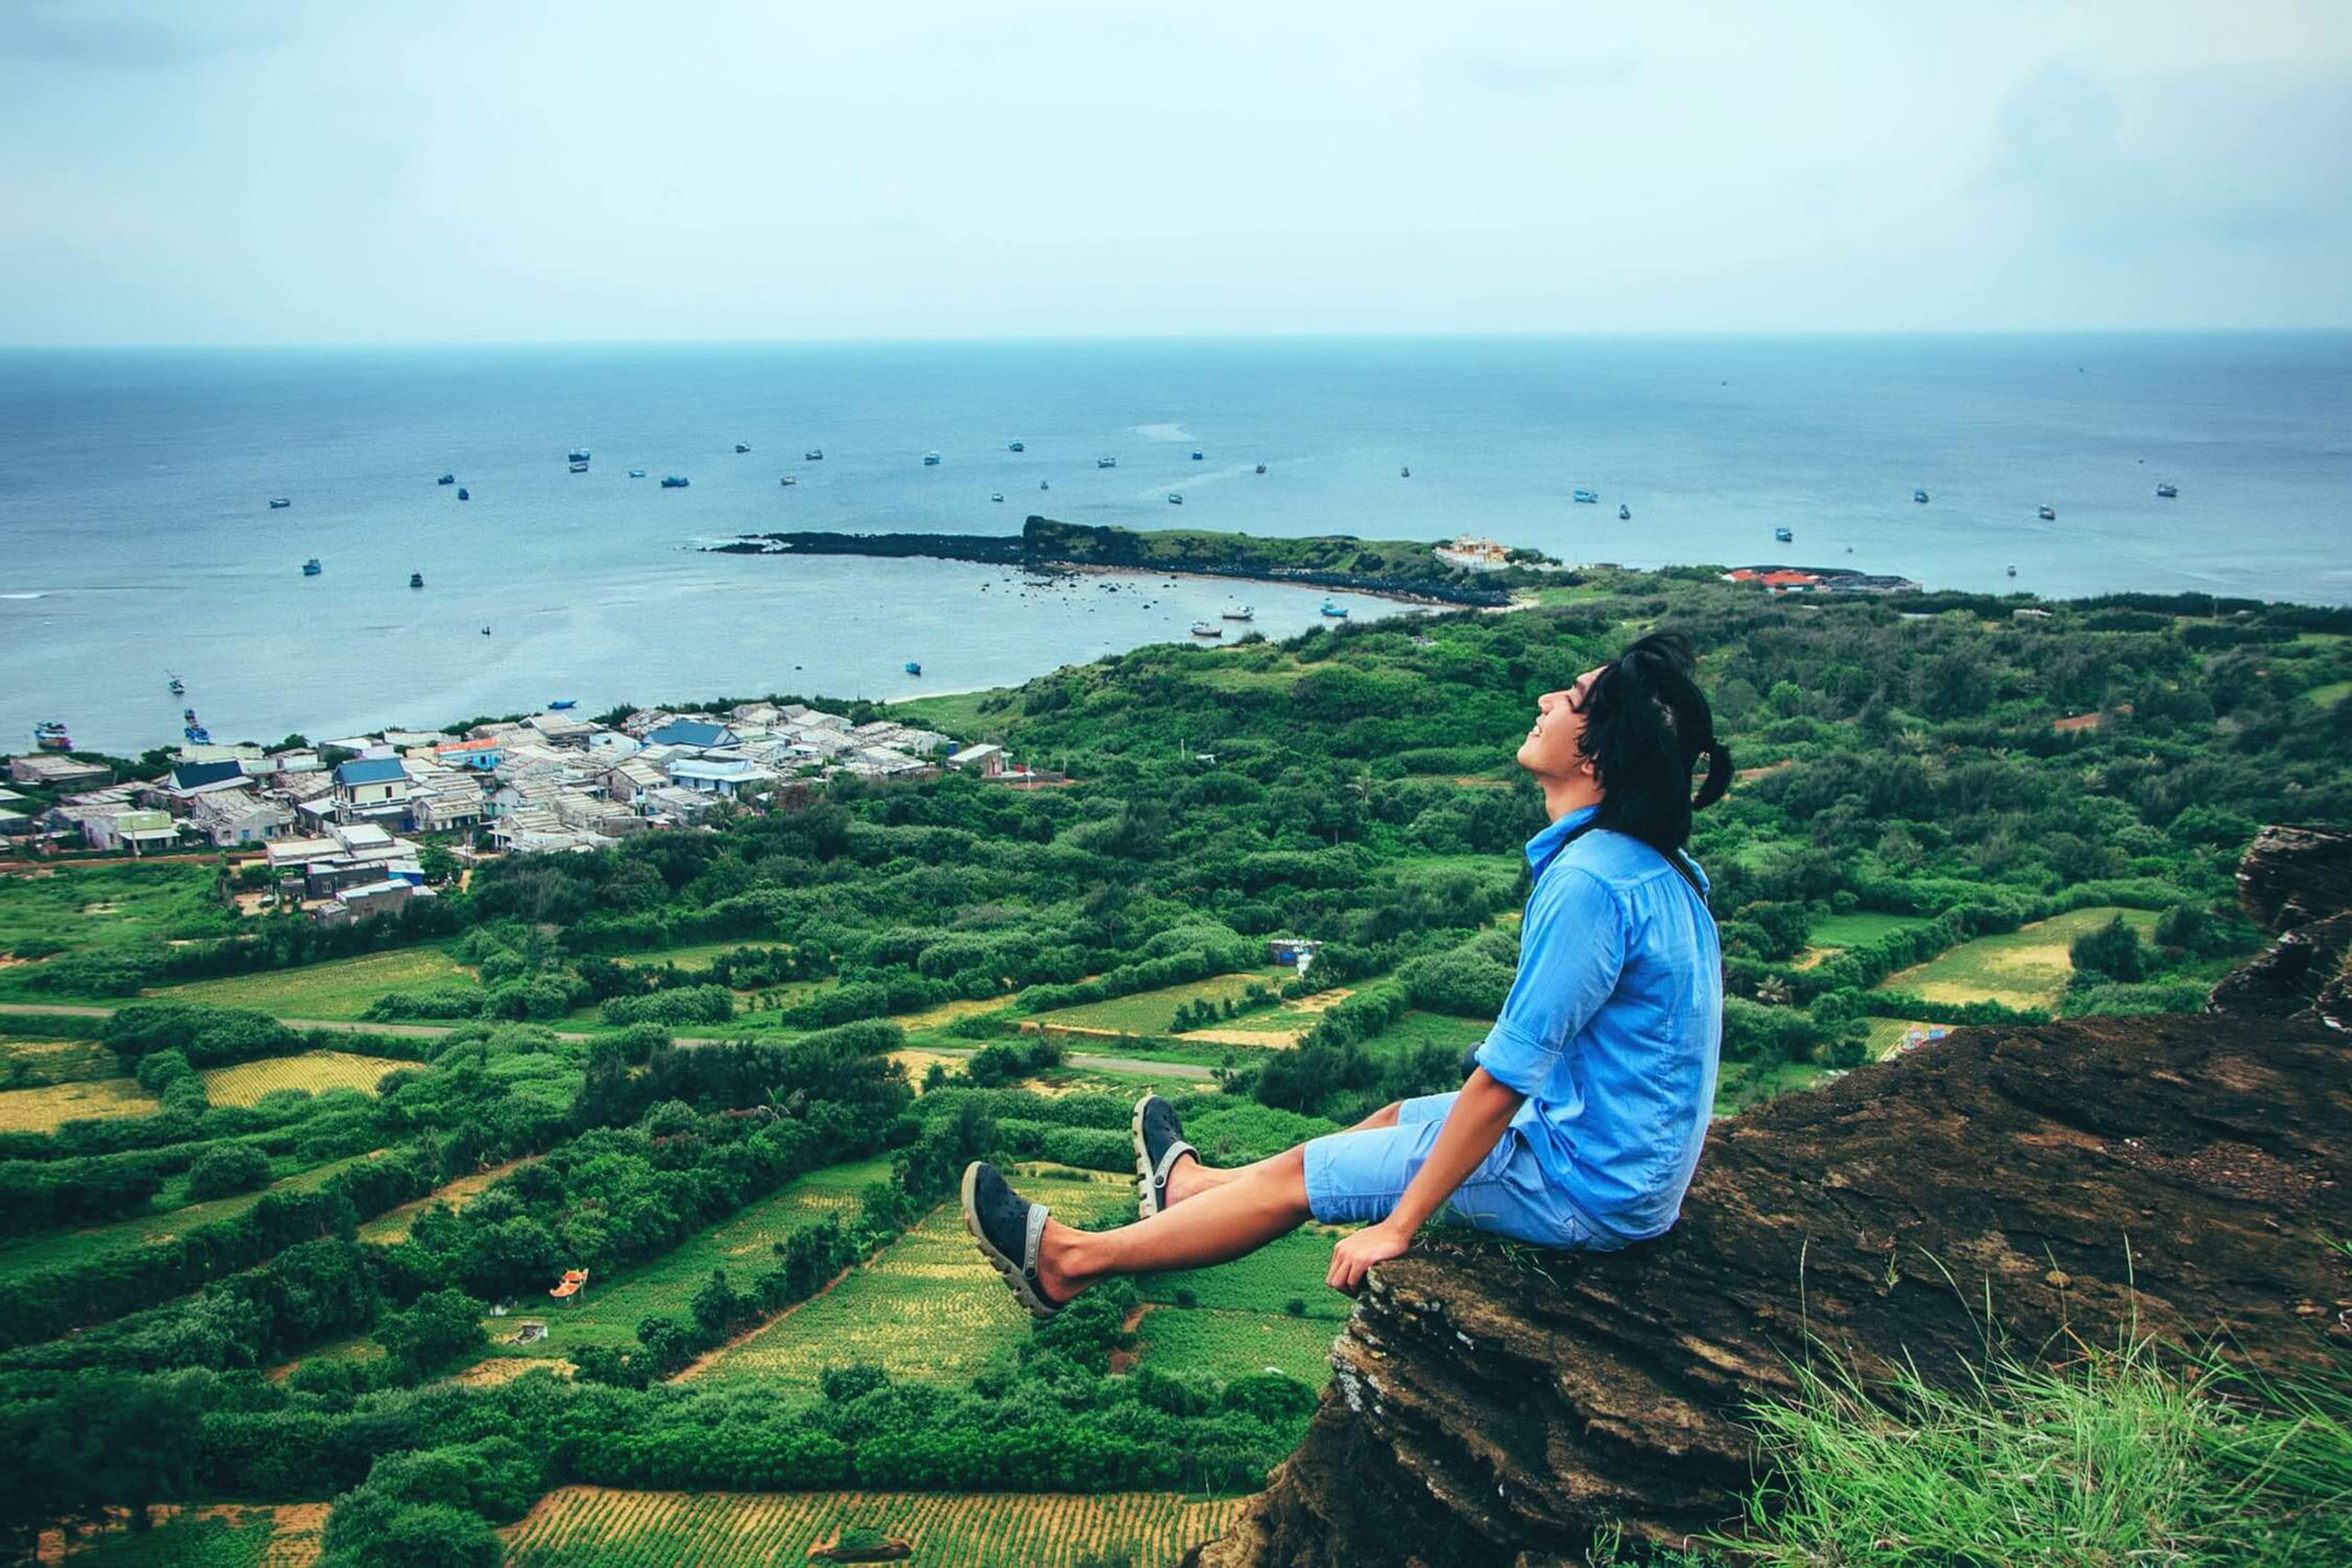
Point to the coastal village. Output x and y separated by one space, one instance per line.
338 828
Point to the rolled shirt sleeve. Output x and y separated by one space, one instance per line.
1571 949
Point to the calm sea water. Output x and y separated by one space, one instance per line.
135 538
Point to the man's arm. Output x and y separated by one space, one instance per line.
1471 1131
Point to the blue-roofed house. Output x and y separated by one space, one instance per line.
373 788
698 733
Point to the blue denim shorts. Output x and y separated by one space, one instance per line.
1358 1176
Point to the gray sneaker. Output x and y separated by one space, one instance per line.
1008 1227
1159 1144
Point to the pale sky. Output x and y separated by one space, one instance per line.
416 171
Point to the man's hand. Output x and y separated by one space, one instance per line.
1373 1244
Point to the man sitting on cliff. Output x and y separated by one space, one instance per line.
1583 1120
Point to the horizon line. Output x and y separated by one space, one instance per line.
978 339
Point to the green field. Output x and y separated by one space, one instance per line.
1263 1282
2327 697
742 1245
1886 1034
1741 1081
339 989
1861 927
53 1249
927 1308
1154 1012
30 1064
955 713
2024 969
107 904
1200 1344
1415 1028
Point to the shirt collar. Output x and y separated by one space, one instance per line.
1542 848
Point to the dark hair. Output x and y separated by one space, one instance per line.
1646 726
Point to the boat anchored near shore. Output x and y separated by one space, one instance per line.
1208 628
312 568
1239 612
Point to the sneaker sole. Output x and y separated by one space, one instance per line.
1147 1200
1038 1307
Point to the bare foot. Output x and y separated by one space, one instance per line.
1186 1178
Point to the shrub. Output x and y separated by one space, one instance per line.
227 1168
2112 952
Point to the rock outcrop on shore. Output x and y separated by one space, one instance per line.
2296 883
2043 1187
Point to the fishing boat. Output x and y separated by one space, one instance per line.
787 479
1588 498
50 736
579 467
312 568
814 455
996 495
1208 628
1262 467
1237 613
180 687
931 459
637 473
1174 498
1920 496
560 703
1336 611
911 668
280 503
485 631
187 715
1196 454
2013 570
2047 513
675 481
2169 492
1624 513
416 579
1014 446
464 494
1107 462
446 480
742 448
196 735
1783 535
1043 485
579 455
1405 473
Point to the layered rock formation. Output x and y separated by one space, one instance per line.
2044 1188
2296 883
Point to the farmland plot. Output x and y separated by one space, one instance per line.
947 1529
927 1308
2024 969
316 1071
338 989
45 1110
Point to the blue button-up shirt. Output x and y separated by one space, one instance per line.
1612 1028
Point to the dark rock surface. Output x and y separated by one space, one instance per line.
1495 1405
2297 884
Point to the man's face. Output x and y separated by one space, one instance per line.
1550 749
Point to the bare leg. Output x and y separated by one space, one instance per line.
1190 1177
1229 1220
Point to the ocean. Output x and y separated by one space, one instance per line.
136 540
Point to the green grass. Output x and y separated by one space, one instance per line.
1203 1344
56 1248
927 1308
1415 1028
109 904
2118 1457
188 1542
2024 969
2327 697
1740 1086
1861 927
1154 1012
742 1245
337 991
1292 1267
29 1063
957 714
